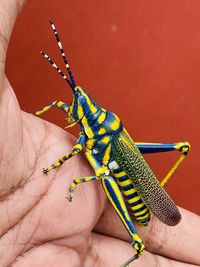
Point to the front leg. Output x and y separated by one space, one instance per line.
76 150
59 104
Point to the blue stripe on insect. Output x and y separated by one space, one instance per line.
142 215
155 148
64 106
145 221
123 178
135 203
131 195
118 170
140 209
127 187
92 117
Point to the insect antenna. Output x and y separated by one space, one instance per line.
63 54
57 69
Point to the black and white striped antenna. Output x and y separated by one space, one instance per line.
63 54
70 81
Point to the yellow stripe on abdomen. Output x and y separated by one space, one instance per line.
134 201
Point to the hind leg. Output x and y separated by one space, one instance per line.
115 196
183 147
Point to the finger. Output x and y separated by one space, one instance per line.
9 11
180 242
111 252
11 138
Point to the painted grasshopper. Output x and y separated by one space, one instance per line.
117 160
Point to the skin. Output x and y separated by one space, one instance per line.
38 227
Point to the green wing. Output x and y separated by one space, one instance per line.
128 156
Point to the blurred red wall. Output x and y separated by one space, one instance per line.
140 59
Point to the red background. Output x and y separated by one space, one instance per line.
140 59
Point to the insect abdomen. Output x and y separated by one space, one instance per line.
134 201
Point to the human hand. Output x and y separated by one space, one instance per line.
38 226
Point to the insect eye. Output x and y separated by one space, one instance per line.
81 100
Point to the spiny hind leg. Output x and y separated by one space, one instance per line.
59 104
183 147
115 196
150 148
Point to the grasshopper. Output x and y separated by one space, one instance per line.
117 160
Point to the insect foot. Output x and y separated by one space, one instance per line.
69 198
53 166
45 171
71 190
139 247
72 187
